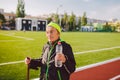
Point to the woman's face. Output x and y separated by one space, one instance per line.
52 34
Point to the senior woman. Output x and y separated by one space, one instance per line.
47 60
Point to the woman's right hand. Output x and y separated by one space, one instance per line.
27 60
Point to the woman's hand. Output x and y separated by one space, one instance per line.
60 57
27 60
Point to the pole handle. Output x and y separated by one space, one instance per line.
28 72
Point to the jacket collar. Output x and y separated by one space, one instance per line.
53 43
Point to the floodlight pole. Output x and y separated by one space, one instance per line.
59 14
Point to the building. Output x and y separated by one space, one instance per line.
98 27
9 16
30 24
87 28
89 20
117 23
1 11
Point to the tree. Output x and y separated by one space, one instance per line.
49 19
56 17
79 23
84 19
64 23
20 12
2 19
107 27
72 22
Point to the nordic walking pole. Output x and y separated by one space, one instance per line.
28 71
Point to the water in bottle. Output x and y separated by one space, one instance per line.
59 48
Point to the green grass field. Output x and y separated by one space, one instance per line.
15 46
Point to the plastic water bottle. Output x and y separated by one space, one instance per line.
59 49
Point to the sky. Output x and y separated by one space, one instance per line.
96 9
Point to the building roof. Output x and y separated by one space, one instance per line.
9 14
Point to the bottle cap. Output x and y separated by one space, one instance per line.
59 42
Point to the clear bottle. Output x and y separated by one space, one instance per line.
59 49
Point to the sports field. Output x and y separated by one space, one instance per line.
88 48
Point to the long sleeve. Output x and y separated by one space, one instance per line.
35 63
70 60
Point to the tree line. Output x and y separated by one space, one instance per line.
67 22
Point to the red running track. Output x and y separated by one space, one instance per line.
102 72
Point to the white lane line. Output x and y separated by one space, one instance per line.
115 78
1 64
17 36
36 79
78 53
9 40
97 50
97 64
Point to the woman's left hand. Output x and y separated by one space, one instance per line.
60 57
